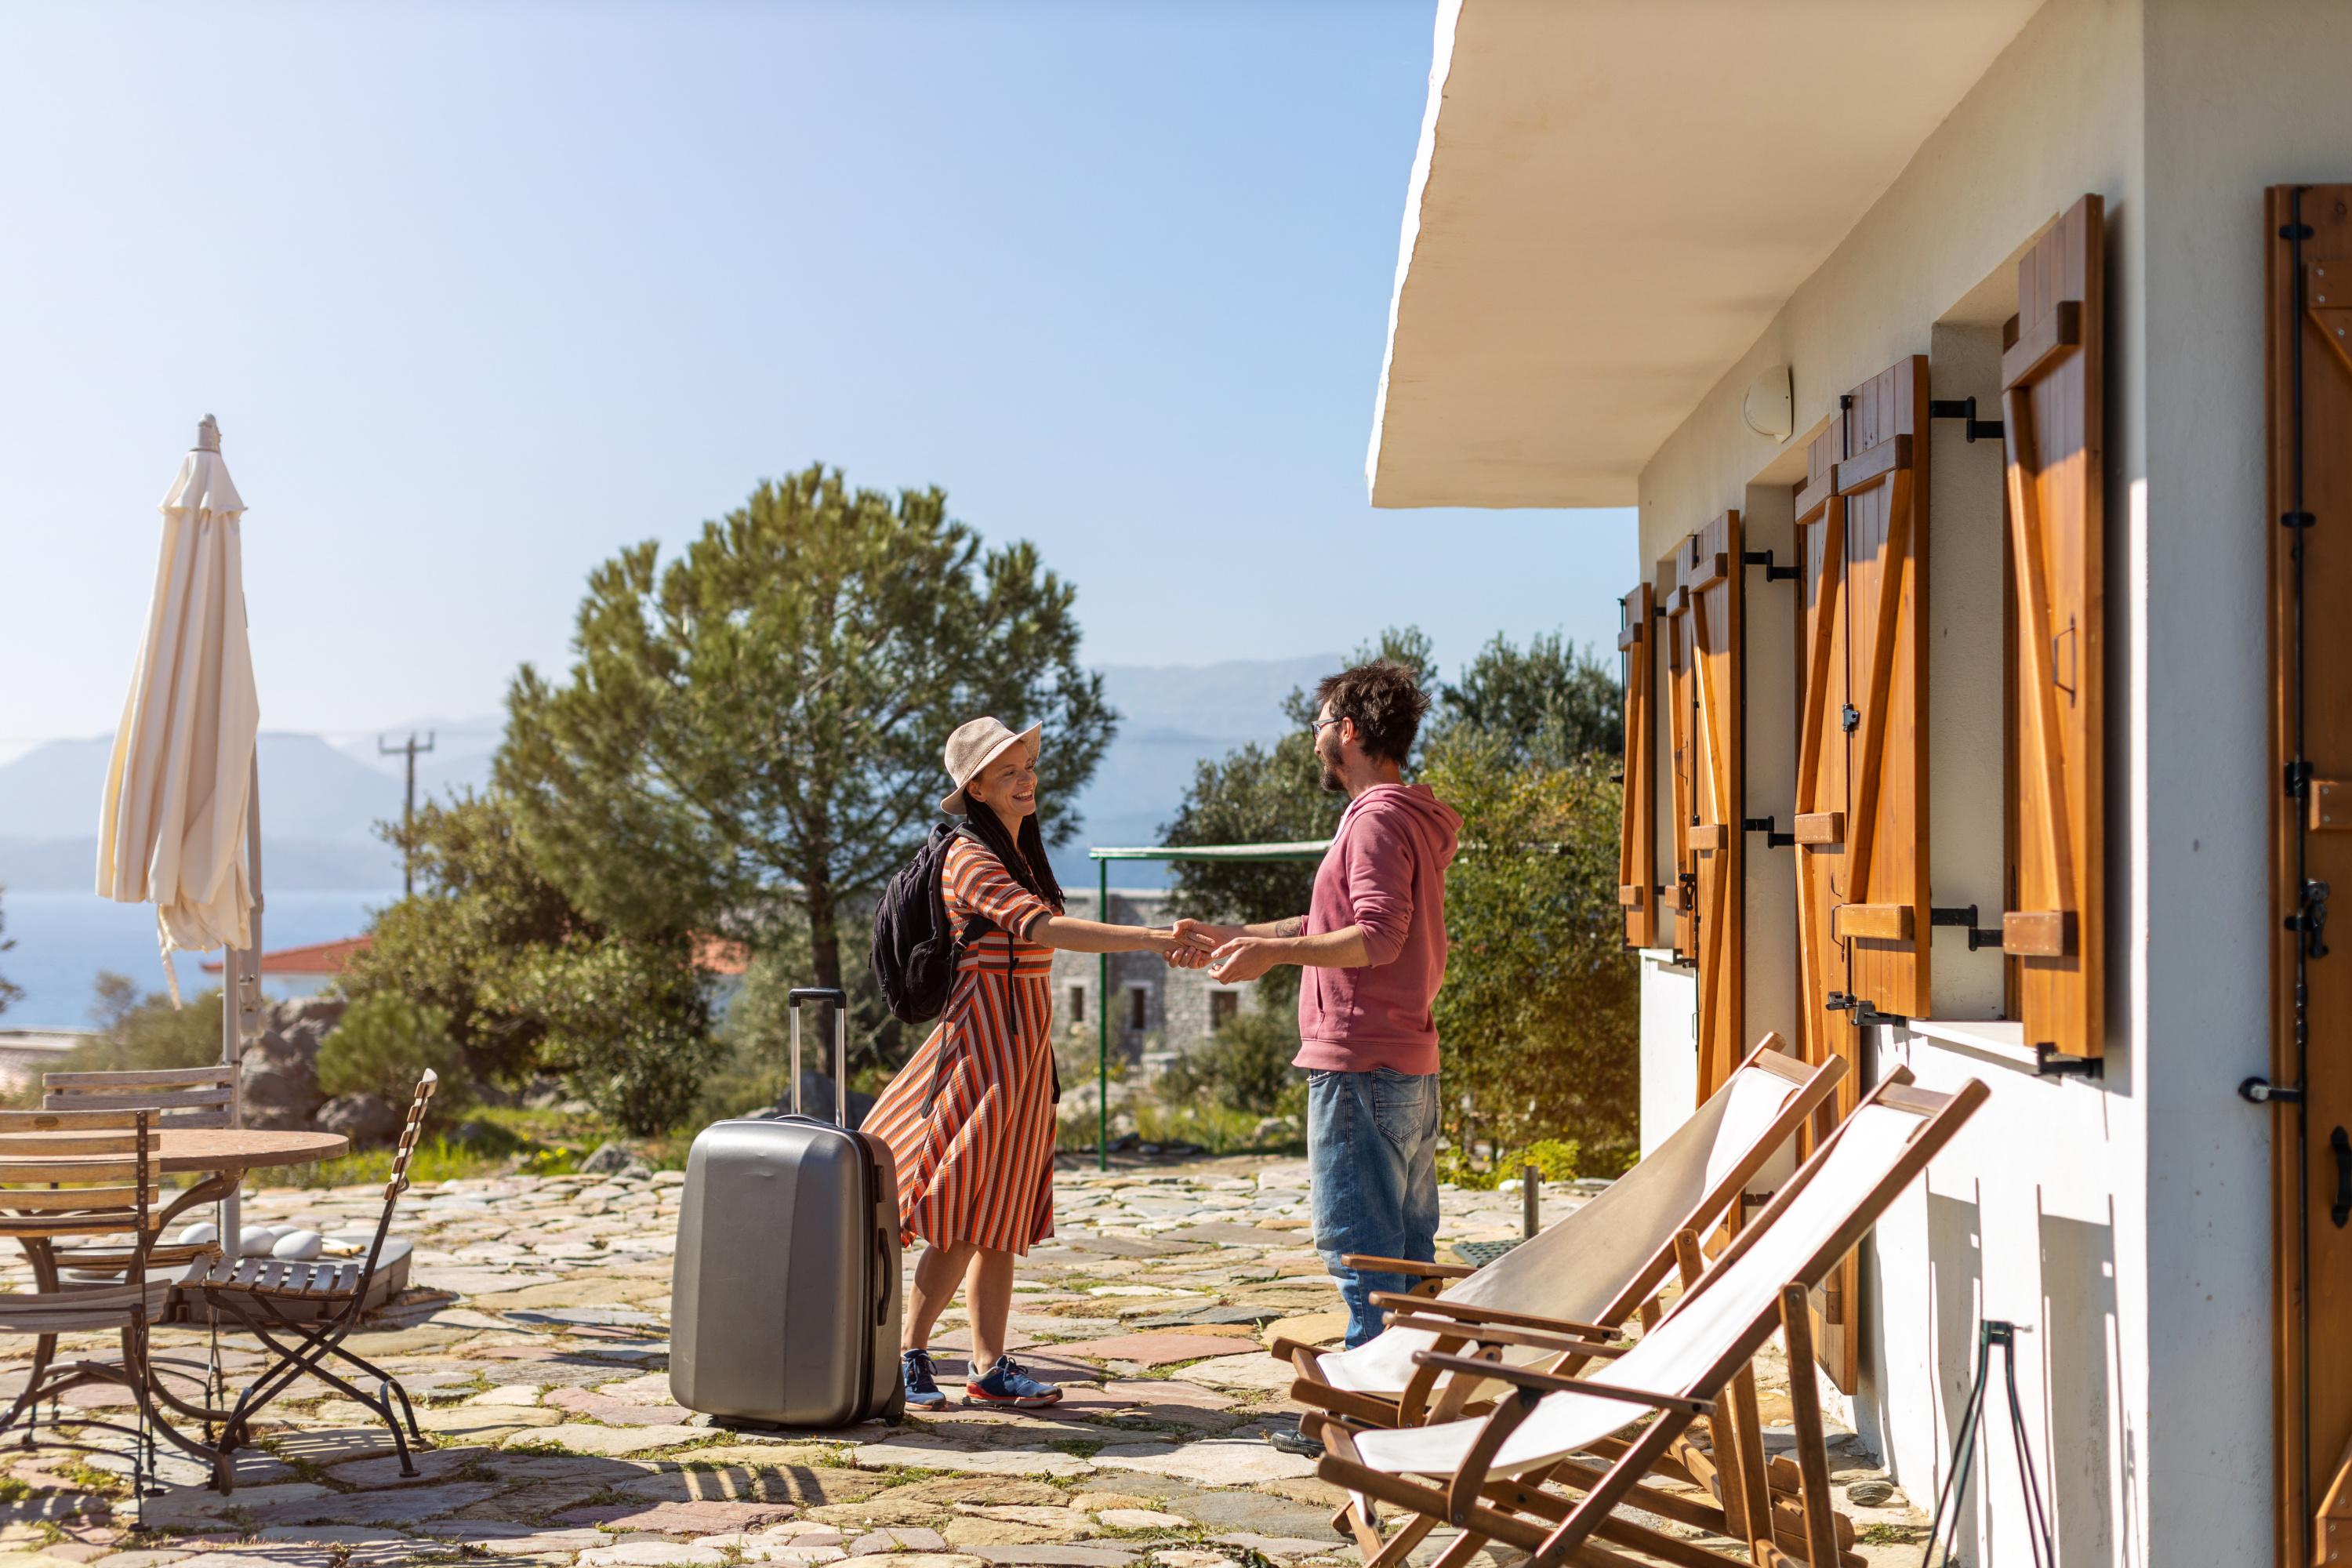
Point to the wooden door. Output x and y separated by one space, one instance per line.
1681 898
1884 921
1637 833
2309 527
1820 830
1711 580
2053 373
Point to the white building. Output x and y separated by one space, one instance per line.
1746 266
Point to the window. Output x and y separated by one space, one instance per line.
1078 1004
1224 1008
1139 1008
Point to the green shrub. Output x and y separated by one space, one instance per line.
384 1043
1558 1160
1246 1066
147 1034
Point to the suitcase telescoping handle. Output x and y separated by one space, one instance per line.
839 1001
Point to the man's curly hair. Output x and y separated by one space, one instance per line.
1384 702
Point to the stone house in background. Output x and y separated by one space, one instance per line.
1176 1010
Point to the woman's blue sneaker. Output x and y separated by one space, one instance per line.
923 1389
1006 1383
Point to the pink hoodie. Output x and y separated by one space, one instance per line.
1385 871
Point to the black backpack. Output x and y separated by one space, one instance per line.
914 949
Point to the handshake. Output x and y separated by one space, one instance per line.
1230 954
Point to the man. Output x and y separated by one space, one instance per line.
1373 944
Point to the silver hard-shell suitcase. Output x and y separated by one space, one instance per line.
784 1297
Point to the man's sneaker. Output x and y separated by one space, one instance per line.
1007 1384
923 1388
1291 1440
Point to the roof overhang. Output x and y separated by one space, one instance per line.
1612 199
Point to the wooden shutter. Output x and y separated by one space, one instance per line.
2053 371
2309 316
1711 580
1680 899
1637 833
1863 915
1885 920
1820 830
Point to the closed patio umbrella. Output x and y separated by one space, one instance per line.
181 825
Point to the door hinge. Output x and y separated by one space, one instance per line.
1772 574
1966 918
2298 778
1965 408
1864 1015
1763 825
2296 519
2049 1062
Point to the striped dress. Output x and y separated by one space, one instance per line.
980 1167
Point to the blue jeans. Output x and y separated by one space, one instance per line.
1371 1153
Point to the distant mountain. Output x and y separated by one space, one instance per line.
308 790
289 866
320 801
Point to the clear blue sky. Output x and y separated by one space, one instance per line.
481 292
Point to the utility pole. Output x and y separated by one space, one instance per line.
408 805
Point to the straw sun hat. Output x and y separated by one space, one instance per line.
973 747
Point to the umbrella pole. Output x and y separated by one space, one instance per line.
243 973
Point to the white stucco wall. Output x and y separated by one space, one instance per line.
1669 1072
2124 1224
2040 1213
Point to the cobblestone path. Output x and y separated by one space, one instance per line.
535 1345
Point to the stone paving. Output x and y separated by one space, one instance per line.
533 1343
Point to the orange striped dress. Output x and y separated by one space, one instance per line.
980 1167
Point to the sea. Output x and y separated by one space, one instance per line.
63 940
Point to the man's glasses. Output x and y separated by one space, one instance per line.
1316 727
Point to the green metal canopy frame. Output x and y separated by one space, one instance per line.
1304 849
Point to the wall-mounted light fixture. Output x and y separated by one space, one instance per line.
1770 406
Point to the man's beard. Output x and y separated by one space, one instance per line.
1332 782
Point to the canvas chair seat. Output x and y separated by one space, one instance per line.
328 1279
1584 1267
1681 1354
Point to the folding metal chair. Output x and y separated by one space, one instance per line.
302 1312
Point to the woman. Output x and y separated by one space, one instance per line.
970 1119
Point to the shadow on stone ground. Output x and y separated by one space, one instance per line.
534 1349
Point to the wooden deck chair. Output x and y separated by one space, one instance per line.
1596 1268
179 1098
65 1176
1515 1475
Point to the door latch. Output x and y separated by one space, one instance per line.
2263 1091
2311 918
1850 719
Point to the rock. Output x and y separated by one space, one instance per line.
255 1240
1215 1462
1870 1494
607 1159
543 1094
1141 1519
364 1119
277 1072
299 1247
199 1235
